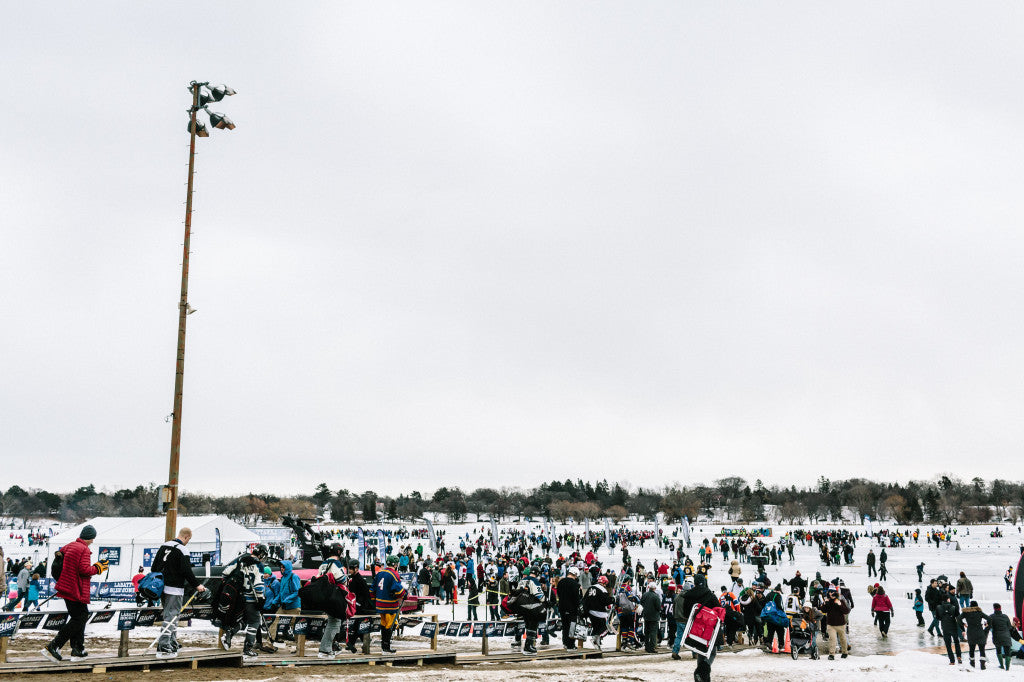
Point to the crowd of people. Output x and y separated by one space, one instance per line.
569 585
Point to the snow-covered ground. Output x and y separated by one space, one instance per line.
908 654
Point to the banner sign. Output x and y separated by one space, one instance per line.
56 621
121 590
126 620
478 629
382 547
102 616
201 612
411 582
744 532
112 555
301 625
361 546
315 628
428 630
8 624
148 616
494 532
433 536
30 621
147 556
47 588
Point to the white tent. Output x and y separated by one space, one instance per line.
131 541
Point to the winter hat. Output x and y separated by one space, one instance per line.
88 533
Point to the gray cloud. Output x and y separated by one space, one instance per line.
453 243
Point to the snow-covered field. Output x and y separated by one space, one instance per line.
908 654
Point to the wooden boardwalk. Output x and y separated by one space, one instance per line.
200 658
556 653
407 657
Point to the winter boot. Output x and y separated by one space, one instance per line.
385 642
51 652
972 661
529 648
982 662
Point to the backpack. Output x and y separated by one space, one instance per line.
774 614
57 565
350 603
323 594
228 602
152 585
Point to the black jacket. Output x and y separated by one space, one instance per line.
949 615
932 597
358 587
171 561
650 602
974 617
1002 629
569 596
700 594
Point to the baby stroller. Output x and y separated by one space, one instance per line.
801 635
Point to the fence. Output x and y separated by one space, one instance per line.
301 627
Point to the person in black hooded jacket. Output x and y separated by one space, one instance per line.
977 634
700 595
948 614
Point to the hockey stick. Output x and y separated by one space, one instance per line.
167 626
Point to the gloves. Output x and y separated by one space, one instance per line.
101 566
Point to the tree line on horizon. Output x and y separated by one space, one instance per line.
944 500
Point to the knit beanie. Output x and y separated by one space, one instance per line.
88 533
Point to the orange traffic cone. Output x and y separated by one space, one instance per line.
775 644
788 649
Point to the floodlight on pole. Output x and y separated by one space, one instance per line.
220 121
219 92
196 128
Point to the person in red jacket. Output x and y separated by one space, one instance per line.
73 587
882 608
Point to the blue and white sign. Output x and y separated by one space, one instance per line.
8 625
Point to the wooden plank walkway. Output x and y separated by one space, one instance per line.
549 655
201 658
407 657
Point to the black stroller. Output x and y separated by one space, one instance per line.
801 634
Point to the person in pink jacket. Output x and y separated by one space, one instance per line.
881 606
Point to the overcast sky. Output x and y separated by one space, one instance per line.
491 244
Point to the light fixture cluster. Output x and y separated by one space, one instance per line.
208 93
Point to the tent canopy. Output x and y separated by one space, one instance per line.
113 530
131 541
